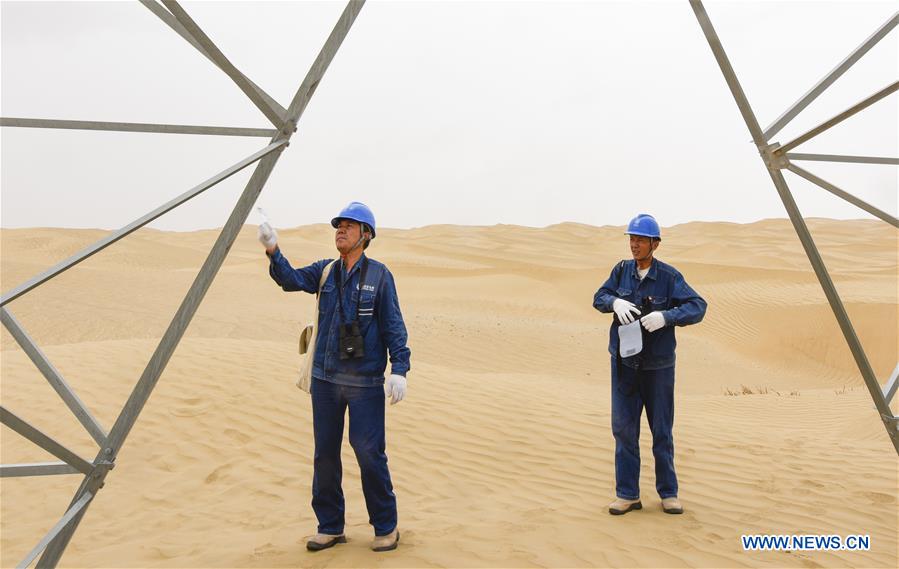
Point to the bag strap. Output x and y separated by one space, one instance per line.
618 351
338 279
325 273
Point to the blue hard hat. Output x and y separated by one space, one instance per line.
645 225
359 212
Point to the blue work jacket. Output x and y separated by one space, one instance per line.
668 292
380 320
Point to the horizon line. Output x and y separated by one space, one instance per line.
499 224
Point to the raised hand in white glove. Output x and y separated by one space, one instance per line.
267 236
653 321
625 310
395 388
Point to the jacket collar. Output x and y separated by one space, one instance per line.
653 270
355 268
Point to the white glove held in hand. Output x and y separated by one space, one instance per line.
625 310
653 321
267 235
395 388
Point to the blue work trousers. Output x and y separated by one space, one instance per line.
366 404
632 390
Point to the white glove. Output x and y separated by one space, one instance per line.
625 310
653 321
267 235
395 388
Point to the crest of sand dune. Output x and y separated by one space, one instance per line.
502 454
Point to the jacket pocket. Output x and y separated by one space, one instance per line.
366 306
622 292
327 299
367 322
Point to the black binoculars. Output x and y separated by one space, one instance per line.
350 342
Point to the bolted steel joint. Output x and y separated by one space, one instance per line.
101 469
774 159
289 127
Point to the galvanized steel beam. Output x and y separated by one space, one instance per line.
769 153
189 305
54 550
137 224
835 120
137 127
78 408
223 63
160 358
176 26
36 469
892 384
729 75
34 435
323 60
844 195
63 524
841 158
828 79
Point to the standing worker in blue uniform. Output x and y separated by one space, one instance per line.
359 322
658 295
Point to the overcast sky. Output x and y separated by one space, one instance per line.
528 113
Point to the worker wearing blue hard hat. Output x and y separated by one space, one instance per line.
645 225
359 323
360 213
649 299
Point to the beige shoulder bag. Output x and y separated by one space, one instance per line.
308 336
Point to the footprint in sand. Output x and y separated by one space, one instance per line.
170 551
877 497
267 550
217 473
237 435
191 408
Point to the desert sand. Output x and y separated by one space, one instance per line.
502 453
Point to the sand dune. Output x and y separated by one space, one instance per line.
502 452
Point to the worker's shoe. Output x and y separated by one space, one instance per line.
672 505
321 541
621 506
386 542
